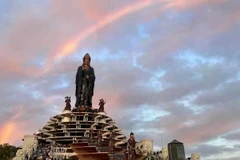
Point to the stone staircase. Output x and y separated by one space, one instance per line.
90 151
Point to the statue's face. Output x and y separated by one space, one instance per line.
86 61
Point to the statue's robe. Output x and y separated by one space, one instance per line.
84 86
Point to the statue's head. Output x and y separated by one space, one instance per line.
131 135
86 59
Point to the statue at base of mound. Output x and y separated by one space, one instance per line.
131 147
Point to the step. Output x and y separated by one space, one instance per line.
79 144
94 156
85 149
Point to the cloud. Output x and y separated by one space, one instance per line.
210 150
169 67
232 136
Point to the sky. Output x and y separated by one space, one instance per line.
166 68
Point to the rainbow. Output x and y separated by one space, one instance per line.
7 131
70 46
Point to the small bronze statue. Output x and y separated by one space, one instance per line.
91 140
99 138
68 103
101 105
111 142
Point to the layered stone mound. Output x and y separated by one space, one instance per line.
87 134
70 127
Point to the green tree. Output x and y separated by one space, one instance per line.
7 151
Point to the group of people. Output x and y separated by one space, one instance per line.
62 148
44 152
41 153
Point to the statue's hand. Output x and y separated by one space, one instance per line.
87 76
